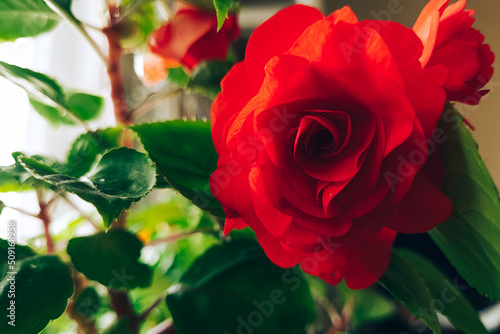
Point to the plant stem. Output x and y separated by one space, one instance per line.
86 324
114 70
166 327
79 26
176 237
145 314
83 214
152 102
22 211
43 215
123 307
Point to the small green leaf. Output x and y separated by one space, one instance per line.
206 77
235 286
178 77
88 147
88 302
43 286
449 301
184 153
223 7
405 284
470 237
111 258
2 206
123 176
86 106
21 252
25 18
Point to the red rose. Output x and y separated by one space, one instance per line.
322 134
449 40
191 37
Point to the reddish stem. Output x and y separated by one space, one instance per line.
123 307
44 217
122 113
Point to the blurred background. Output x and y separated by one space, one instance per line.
64 55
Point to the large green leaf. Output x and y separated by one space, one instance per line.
42 287
123 176
470 237
184 153
48 98
88 147
111 258
405 284
234 288
25 18
448 299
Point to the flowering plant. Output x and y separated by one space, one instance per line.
333 151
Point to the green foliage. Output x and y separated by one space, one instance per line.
140 21
88 147
368 305
42 287
223 7
448 299
205 79
12 178
224 291
87 303
111 258
85 106
48 98
405 284
122 176
470 238
25 18
184 153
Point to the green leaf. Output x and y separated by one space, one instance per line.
223 7
111 258
206 77
368 305
139 20
405 284
21 252
55 116
470 237
88 302
178 77
123 176
25 18
2 206
88 147
16 178
235 288
43 286
449 301
86 106
184 153
48 98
